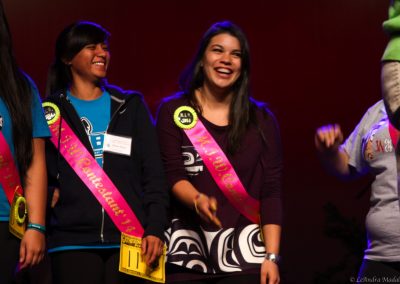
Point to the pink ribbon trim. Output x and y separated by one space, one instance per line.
223 173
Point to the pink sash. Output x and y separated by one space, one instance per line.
217 163
9 176
89 171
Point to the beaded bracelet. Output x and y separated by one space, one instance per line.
37 227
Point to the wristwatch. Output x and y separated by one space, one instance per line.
272 257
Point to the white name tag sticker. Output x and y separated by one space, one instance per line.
117 144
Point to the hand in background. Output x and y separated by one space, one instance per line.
328 138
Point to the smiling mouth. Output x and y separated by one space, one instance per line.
224 71
99 63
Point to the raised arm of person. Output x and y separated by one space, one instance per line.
328 139
33 243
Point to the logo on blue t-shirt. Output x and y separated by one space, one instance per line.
96 139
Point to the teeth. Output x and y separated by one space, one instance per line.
98 63
224 70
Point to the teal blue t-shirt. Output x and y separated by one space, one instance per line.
39 129
95 116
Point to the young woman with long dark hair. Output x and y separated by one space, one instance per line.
23 127
222 155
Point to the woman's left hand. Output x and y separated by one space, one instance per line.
152 248
32 248
269 273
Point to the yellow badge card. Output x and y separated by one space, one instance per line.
18 214
132 263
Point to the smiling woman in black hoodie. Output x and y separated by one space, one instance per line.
83 240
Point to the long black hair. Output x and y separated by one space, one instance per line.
241 111
16 92
69 43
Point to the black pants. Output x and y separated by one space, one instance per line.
94 266
379 272
9 254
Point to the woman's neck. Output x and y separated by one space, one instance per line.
85 90
214 107
212 98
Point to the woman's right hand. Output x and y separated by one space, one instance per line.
206 208
328 138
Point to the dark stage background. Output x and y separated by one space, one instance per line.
313 61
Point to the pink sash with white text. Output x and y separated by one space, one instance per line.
217 163
92 175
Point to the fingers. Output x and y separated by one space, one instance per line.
31 248
213 210
55 197
22 252
328 136
153 250
273 280
206 207
263 278
144 246
269 273
213 204
27 257
152 256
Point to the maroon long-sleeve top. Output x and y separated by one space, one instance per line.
258 163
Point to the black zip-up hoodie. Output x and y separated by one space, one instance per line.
78 218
